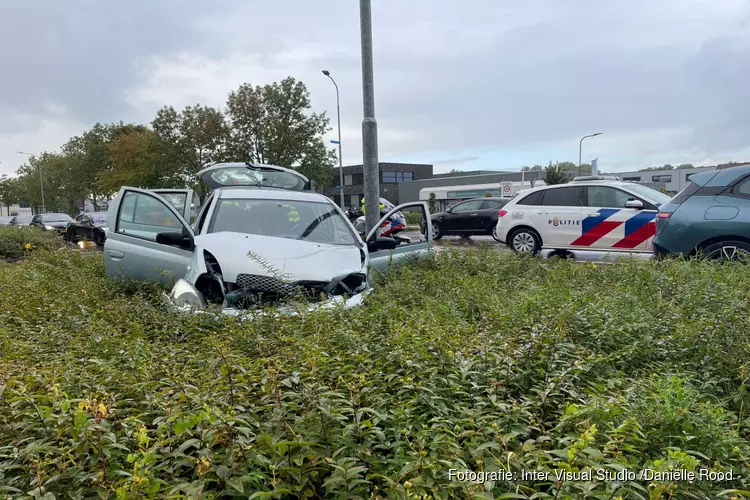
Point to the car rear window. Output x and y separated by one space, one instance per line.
686 193
530 199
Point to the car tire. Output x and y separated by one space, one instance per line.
525 240
726 251
493 232
436 234
98 238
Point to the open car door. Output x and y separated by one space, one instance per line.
147 238
252 175
381 259
184 200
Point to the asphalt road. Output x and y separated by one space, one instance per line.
458 242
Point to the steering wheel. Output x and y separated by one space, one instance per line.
321 234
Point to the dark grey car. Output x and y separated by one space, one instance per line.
472 217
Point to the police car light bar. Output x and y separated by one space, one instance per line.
596 178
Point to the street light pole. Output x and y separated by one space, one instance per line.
580 145
41 179
338 116
369 124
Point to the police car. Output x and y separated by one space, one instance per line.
599 213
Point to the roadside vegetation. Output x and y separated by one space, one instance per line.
475 360
17 242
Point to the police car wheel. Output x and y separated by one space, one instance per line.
525 241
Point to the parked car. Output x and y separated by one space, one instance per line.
257 239
472 217
709 218
5 221
598 213
21 220
51 222
88 226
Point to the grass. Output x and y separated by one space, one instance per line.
475 360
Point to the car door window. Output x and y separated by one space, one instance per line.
145 216
203 215
743 189
468 206
563 197
607 197
489 204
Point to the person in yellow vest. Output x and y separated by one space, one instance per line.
292 213
382 206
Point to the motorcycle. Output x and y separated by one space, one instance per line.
390 227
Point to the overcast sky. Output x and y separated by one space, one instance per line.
479 84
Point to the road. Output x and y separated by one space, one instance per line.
457 242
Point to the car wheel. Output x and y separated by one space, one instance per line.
561 254
727 251
525 240
99 239
436 234
493 232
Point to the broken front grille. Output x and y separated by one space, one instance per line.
270 284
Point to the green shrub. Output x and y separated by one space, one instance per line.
414 218
473 360
15 242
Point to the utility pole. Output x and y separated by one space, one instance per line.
370 167
341 158
580 145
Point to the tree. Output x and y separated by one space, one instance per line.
487 194
139 159
196 136
274 124
432 203
554 175
663 167
9 192
89 154
685 165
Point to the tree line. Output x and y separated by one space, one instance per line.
271 124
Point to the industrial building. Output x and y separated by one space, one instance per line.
449 189
392 176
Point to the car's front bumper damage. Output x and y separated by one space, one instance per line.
185 298
252 289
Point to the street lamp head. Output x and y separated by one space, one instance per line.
598 133
325 72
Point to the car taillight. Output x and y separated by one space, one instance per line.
663 215
502 213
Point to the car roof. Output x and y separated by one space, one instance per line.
244 192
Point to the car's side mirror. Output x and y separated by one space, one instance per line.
176 239
637 204
382 244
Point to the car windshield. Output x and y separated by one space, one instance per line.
317 222
56 218
650 194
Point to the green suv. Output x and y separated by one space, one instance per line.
709 218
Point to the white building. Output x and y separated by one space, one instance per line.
447 196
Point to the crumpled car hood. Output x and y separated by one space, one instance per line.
292 259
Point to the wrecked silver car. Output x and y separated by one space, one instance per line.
258 239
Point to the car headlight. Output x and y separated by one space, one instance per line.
49 228
185 296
